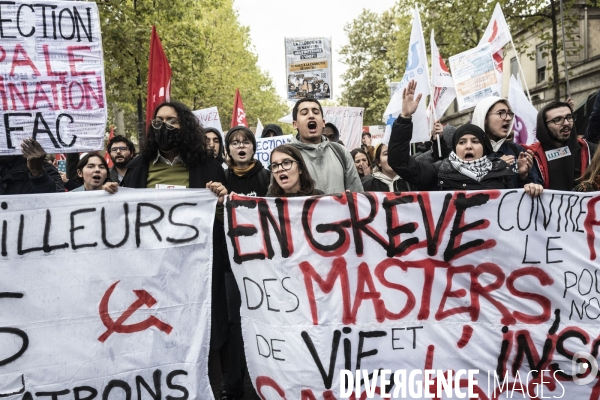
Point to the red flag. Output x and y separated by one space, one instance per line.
239 115
107 152
159 77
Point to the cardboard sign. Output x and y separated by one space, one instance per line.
52 77
103 296
493 285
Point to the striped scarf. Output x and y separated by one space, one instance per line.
475 169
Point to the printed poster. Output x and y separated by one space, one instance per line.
474 76
308 68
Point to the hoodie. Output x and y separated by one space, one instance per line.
502 147
253 183
480 113
560 173
276 129
336 131
331 167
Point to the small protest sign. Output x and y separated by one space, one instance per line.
474 75
106 295
308 68
51 76
264 147
209 118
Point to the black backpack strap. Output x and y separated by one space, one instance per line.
264 178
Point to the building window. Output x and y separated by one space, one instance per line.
514 67
540 63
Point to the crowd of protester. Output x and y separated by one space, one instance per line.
179 152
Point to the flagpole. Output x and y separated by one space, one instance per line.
520 68
562 23
431 95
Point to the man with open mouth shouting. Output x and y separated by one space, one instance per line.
330 164
560 156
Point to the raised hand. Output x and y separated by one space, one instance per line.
35 156
409 102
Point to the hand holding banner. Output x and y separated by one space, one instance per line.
106 299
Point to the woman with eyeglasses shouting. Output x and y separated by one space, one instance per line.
174 154
290 175
495 116
245 175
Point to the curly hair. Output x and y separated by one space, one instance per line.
307 184
191 142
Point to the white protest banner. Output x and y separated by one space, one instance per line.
492 287
525 125
349 121
106 296
308 67
264 147
474 76
209 118
51 76
416 69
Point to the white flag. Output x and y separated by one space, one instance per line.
417 69
525 114
259 129
497 35
441 81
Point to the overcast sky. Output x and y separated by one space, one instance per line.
270 21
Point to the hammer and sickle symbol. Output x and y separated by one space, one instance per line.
144 298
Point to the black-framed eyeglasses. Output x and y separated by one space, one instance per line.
284 165
503 114
237 144
169 123
561 120
121 148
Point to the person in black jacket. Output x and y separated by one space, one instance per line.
246 175
468 166
383 178
29 173
215 143
174 153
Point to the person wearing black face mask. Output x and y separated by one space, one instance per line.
175 154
